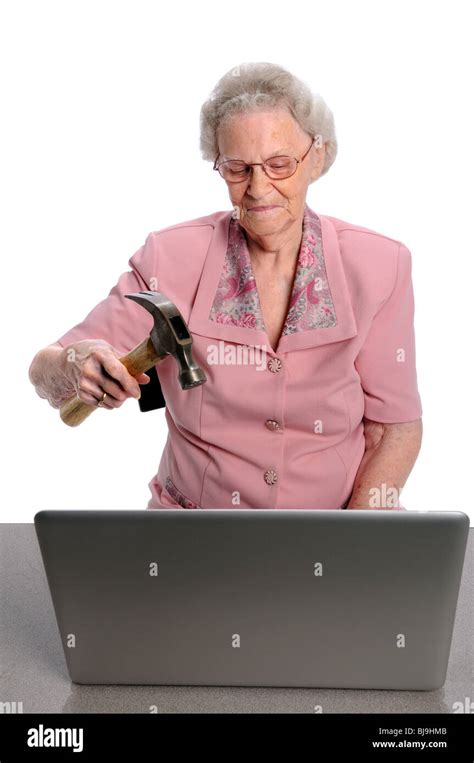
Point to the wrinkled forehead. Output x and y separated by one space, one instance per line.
259 134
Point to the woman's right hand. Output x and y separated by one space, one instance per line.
92 367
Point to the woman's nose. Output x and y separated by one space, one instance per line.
258 181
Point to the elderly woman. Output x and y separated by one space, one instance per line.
302 322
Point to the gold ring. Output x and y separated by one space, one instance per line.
102 399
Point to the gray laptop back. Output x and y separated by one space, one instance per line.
242 597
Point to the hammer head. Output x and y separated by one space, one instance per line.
170 335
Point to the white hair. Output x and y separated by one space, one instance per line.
253 86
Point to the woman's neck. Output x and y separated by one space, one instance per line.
275 252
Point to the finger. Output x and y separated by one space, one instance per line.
105 404
117 371
106 383
86 397
140 379
99 376
91 393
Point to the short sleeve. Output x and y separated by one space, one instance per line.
118 320
386 363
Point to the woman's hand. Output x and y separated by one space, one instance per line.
92 367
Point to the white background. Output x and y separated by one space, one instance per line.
99 146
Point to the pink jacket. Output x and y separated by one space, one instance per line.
271 429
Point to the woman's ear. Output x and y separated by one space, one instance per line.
318 154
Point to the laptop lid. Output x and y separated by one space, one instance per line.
242 597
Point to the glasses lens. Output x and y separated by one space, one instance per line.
234 170
280 166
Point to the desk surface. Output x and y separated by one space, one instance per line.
33 668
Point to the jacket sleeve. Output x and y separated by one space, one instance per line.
118 320
386 363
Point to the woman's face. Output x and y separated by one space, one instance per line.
255 137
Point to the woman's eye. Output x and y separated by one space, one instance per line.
278 165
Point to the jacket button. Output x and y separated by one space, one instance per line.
274 365
270 476
272 424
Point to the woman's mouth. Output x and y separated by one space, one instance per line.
268 208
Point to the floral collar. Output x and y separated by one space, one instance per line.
236 301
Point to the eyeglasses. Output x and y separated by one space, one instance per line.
276 168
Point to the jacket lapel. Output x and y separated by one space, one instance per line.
227 306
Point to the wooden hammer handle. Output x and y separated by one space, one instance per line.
139 360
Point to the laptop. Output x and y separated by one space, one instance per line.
255 597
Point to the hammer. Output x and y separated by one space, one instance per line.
169 336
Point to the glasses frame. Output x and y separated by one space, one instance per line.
262 165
